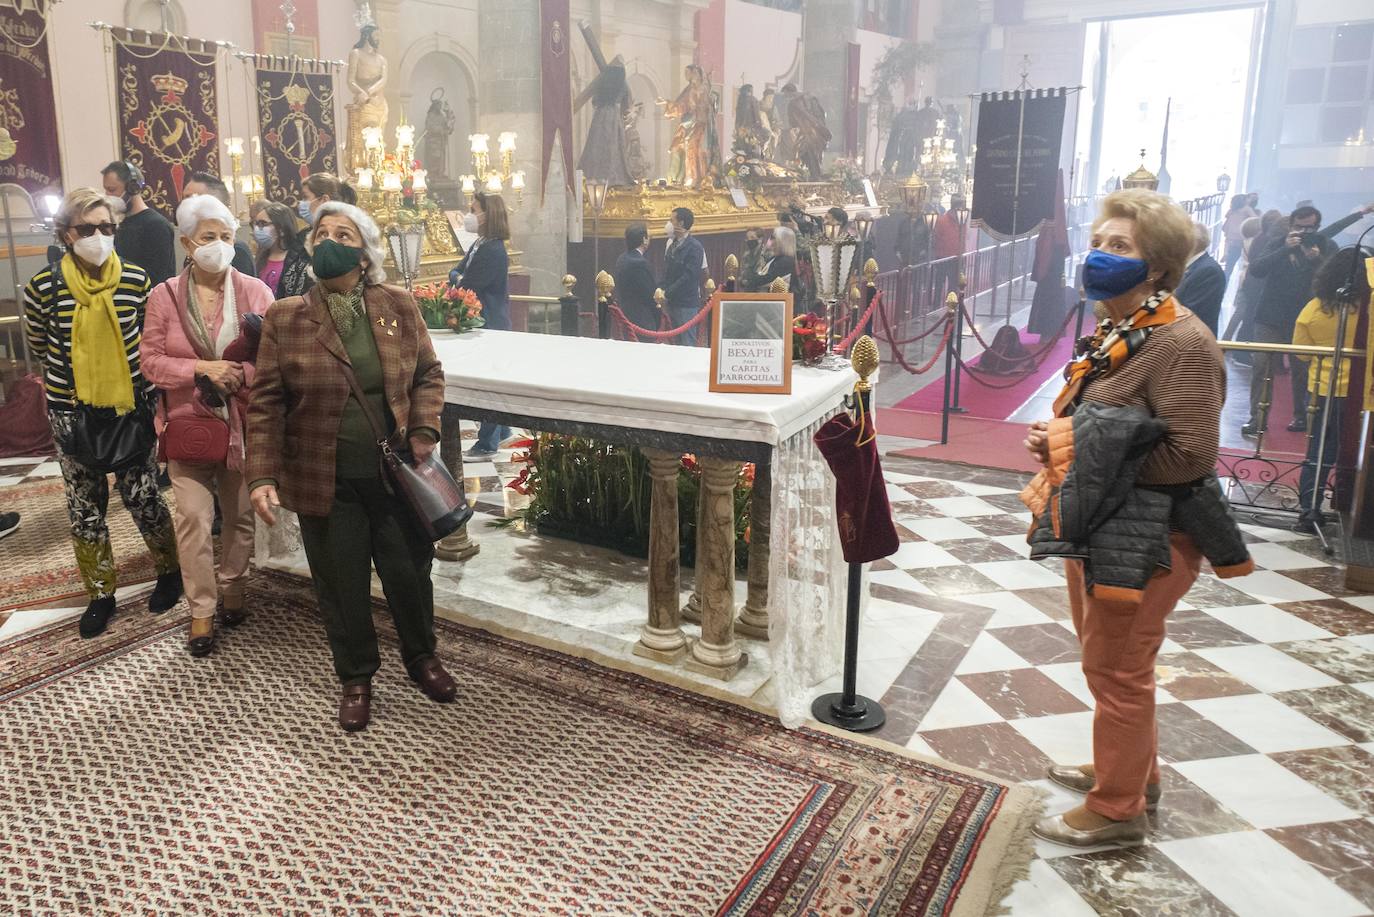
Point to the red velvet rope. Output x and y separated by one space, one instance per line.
639 332
1037 359
856 333
897 353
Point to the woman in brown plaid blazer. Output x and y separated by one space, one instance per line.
312 450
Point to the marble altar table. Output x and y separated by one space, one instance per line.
655 397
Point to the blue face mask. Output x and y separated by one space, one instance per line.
265 236
303 208
1107 276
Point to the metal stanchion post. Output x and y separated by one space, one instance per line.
568 307
957 341
848 709
951 306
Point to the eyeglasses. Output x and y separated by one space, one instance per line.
86 230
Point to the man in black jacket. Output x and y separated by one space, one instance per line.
1204 281
684 265
1286 267
144 237
634 281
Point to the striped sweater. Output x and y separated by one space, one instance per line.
48 310
1179 376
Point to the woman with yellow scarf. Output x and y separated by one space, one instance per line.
85 321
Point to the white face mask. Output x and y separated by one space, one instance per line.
471 223
668 229
213 257
94 249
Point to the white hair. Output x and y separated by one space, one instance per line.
784 241
198 208
367 228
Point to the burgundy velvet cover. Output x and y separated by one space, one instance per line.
863 514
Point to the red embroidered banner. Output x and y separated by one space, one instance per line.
556 87
167 117
296 114
27 108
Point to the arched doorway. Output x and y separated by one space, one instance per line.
434 71
146 15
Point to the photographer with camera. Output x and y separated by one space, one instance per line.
1287 267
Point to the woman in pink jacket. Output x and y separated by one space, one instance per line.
199 340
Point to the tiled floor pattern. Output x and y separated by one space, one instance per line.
1266 693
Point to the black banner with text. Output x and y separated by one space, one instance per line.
1017 164
27 108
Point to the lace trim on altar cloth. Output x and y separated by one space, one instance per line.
807 576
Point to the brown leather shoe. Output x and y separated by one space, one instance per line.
437 684
355 707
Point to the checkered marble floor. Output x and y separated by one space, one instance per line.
1266 698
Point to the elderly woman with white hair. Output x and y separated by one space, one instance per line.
779 262
311 449
197 323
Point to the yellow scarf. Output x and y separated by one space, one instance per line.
100 365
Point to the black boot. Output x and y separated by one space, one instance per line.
97 616
167 592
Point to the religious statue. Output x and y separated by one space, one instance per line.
367 82
900 158
750 134
806 135
439 122
634 147
692 142
768 120
603 154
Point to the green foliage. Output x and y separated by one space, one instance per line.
900 61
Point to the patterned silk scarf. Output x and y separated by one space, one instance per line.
1113 345
345 309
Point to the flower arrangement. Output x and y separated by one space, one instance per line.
808 339
449 307
599 493
849 173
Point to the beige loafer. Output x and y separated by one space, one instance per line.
1121 833
1071 777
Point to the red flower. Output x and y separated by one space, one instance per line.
521 484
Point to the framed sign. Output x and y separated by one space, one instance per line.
751 343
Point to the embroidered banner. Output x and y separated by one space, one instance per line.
296 116
1017 165
27 108
555 76
167 117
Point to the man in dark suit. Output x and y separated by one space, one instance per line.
634 281
1204 281
684 265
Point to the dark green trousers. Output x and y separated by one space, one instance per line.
367 526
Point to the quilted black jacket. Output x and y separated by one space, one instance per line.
1097 513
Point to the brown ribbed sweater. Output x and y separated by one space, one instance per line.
1179 376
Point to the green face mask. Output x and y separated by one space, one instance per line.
333 259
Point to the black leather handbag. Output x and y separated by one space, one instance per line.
106 442
426 486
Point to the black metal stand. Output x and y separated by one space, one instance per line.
956 345
949 381
848 709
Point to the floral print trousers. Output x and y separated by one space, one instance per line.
88 498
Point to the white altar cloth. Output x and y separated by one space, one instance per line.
658 388
626 384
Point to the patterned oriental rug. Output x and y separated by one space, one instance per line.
38 563
137 779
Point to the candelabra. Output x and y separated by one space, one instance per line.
494 180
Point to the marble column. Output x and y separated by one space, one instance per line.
457 546
662 638
753 618
717 653
508 85
827 29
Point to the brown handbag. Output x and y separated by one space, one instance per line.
426 486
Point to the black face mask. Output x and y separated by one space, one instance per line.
752 243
